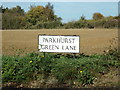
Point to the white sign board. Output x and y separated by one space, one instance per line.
68 44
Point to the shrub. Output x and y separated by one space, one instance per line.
67 68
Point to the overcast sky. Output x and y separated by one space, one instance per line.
70 11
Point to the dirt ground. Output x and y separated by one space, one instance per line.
23 41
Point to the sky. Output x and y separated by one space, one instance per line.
60 0
72 11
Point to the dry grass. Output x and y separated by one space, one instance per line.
91 40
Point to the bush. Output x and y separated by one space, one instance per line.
11 21
65 68
90 24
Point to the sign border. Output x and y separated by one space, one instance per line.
59 35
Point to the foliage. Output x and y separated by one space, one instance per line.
13 18
66 68
98 21
43 17
97 16
11 21
16 10
35 14
37 17
108 22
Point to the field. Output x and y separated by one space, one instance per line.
91 40
96 65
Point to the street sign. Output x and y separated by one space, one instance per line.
51 43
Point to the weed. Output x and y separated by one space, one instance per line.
65 68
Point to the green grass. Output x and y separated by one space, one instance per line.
68 68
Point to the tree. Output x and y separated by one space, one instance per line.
37 16
49 12
13 18
97 16
49 6
18 10
15 10
82 18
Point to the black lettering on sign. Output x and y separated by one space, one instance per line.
45 40
50 47
59 40
68 47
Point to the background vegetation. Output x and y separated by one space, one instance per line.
39 17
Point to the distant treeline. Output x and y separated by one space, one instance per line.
39 17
